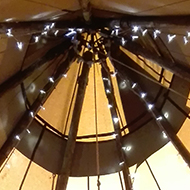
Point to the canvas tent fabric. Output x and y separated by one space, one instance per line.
143 61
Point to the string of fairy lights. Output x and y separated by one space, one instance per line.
135 32
144 97
44 32
48 28
134 87
155 32
72 32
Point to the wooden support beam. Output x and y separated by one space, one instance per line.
109 90
20 76
26 119
70 147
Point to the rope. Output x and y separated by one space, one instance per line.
153 80
96 125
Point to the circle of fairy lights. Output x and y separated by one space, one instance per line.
72 32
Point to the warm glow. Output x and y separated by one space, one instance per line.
169 169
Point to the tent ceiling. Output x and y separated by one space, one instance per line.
139 130
25 10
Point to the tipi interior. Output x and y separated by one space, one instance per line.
94 95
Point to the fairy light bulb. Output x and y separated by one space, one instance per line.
185 40
159 118
123 85
43 108
117 26
171 37
143 95
166 115
150 106
114 74
134 85
134 37
20 45
128 148
51 79
114 135
9 32
156 33
123 41
47 27
44 33
89 46
17 137
36 38
115 119
112 32
164 135
70 32
56 32
116 31
42 92
52 25
65 75
110 106
121 163
105 79
80 30
135 29
32 114
108 91
28 131
144 32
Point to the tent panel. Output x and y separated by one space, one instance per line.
12 106
169 168
13 172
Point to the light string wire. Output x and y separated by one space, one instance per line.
149 77
31 113
152 80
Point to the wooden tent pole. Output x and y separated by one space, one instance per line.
117 129
163 124
17 78
124 20
70 147
26 119
169 131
